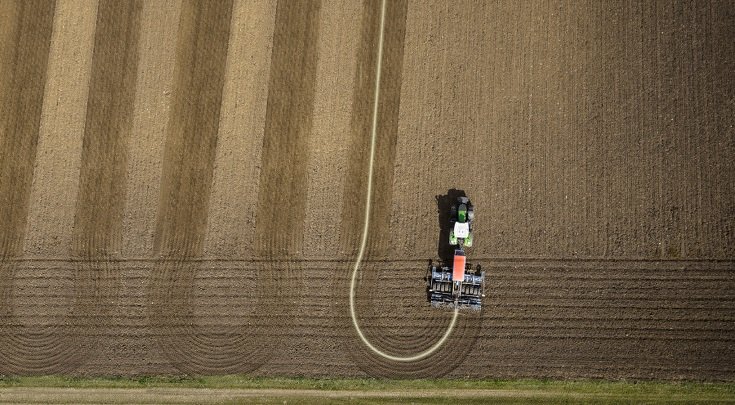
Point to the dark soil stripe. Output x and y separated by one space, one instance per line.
282 192
353 205
353 208
99 210
192 134
24 50
387 135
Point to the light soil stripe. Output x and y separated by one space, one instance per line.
363 243
232 206
56 174
328 148
157 49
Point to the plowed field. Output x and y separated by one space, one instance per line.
183 186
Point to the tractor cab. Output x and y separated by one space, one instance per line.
461 216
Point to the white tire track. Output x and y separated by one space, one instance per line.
363 243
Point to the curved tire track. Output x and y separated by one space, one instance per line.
189 160
399 352
98 215
24 51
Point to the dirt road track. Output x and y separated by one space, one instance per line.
205 396
186 196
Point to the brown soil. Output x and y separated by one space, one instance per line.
203 214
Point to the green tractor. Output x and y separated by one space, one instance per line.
461 216
456 284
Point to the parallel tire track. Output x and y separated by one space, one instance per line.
527 336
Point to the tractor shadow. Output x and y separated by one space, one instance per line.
444 206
